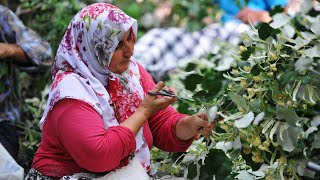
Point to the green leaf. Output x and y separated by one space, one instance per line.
315 27
190 67
303 171
184 108
239 101
265 76
246 54
288 31
216 164
288 76
255 70
276 9
192 171
315 121
313 51
244 175
287 114
202 96
212 83
255 105
303 39
265 31
192 81
133 10
303 64
308 93
245 121
316 142
279 20
288 138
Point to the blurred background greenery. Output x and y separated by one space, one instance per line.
51 17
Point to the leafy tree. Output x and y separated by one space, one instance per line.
268 102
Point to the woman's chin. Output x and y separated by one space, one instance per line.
125 65
122 69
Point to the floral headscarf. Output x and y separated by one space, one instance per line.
81 72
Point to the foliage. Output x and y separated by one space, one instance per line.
192 14
51 18
268 102
30 133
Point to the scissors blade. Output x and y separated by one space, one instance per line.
160 94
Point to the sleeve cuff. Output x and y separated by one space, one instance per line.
127 137
182 145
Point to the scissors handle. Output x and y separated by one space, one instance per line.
161 94
164 92
168 92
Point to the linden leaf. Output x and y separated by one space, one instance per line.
279 20
245 121
289 139
316 142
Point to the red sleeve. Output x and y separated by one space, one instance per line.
163 124
81 131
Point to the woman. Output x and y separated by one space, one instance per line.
99 114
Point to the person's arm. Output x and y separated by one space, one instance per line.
164 127
171 130
82 133
259 11
189 126
36 53
13 51
148 107
255 16
174 132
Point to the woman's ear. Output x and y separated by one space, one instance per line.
134 38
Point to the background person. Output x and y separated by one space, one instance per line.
20 49
255 10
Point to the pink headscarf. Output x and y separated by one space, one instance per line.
81 72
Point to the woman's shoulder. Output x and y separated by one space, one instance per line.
70 105
67 110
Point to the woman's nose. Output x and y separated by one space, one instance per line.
128 49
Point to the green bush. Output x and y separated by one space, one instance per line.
268 103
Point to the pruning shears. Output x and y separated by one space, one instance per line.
162 92
167 93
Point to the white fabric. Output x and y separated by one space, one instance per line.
9 168
132 171
160 50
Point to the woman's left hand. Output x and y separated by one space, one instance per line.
189 126
207 127
255 16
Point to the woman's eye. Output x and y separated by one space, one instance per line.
129 37
119 45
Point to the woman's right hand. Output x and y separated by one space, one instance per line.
153 104
149 106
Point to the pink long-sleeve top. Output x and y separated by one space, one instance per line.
75 140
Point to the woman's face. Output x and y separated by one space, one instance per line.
121 57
